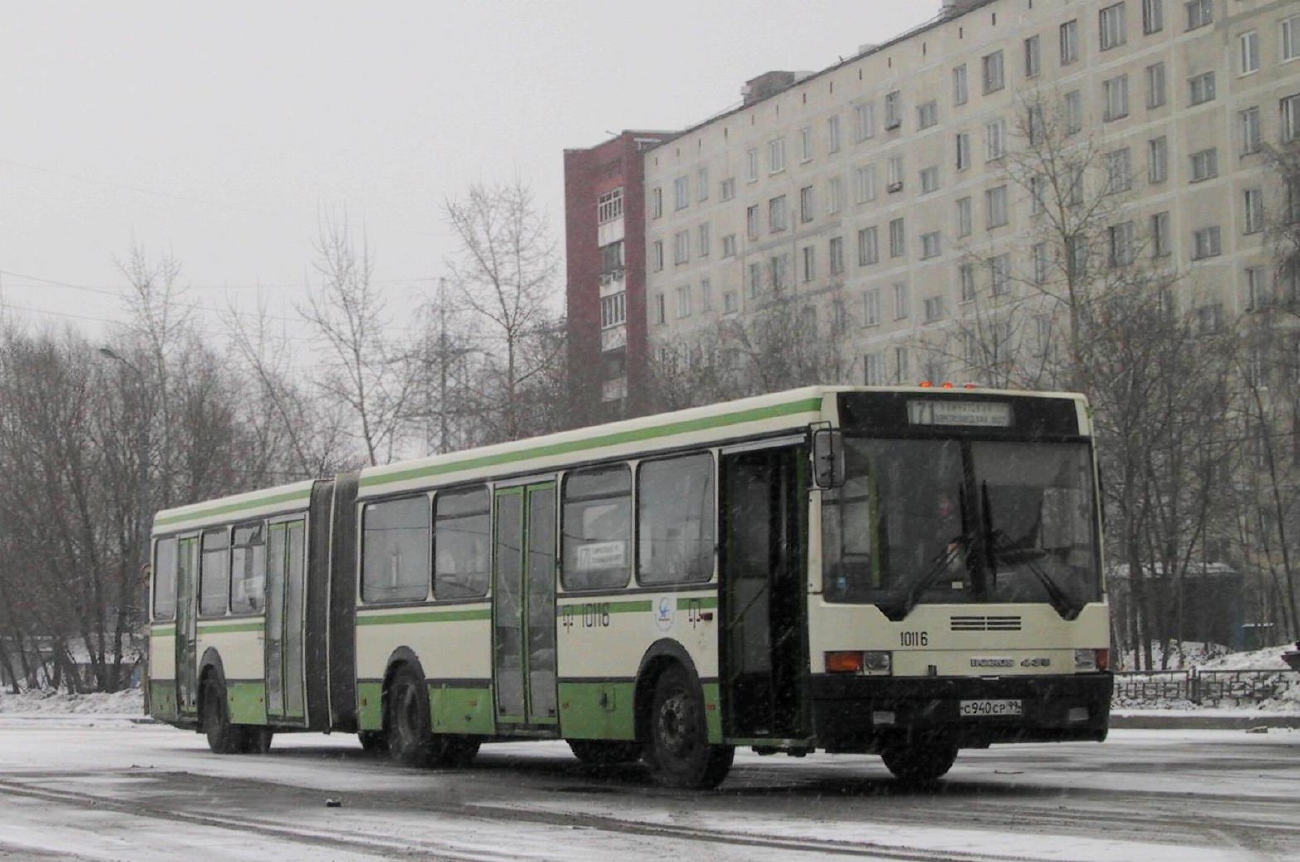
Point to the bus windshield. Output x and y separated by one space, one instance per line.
961 521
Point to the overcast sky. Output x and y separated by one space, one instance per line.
219 133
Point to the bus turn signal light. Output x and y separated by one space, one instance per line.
844 662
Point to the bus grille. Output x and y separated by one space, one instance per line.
985 624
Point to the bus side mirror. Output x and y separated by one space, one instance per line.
828 458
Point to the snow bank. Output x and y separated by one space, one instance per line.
119 703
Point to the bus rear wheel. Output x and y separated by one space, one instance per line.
679 752
407 727
919 763
223 737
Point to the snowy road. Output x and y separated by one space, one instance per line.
97 788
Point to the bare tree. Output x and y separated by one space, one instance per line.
364 367
504 272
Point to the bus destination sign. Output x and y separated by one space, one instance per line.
971 414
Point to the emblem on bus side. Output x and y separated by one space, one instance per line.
664 613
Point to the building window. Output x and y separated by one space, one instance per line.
755 279
964 220
960 89
1000 274
703 240
901 372
1070 42
1290 38
776 271
1033 57
1202 88
868 246
893 109
776 155
894 174
1160 236
897 238
966 281
994 79
1112 27
865 184
995 140
1037 124
933 308
873 367
871 307
930 245
834 195
1121 243
1039 256
1209 318
684 301
1248 53
1073 112
706 295
1157 89
1200 13
1205 164
963 151
1206 243
995 207
657 255
609 206
1037 194
1153 16
806 204
809 263
730 302
1114 93
751 165
1248 123
702 184
660 309
1254 206
751 221
681 193
902 301
864 121
728 188
833 134
929 180
927 115
656 202
611 261
1119 170
1290 110
836 250
681 247
613 309
805 144
1256 288
776 214
729 245
1158 160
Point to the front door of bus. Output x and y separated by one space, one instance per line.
523 605
762 504
187 566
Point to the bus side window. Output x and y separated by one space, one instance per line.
395 550
461 540
597 529
164 579
675 520
214 573
248 570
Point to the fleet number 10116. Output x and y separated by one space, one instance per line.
913 638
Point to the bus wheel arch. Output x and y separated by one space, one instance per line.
672 724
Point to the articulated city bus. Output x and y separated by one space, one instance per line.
896 571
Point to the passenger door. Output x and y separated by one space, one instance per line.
187 566
523 605
764 496
285 581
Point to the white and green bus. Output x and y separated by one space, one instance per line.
897 571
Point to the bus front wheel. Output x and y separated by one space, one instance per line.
223 737
919 763
679 752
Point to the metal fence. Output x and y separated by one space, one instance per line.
1205 687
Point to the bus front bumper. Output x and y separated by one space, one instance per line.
868 714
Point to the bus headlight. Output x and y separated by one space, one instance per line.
859 661
1088 660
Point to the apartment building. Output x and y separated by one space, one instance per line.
881 185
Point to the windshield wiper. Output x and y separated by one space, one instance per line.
998 545
941 563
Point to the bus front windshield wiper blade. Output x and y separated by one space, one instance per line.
998 546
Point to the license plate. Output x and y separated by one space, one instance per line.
983 708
